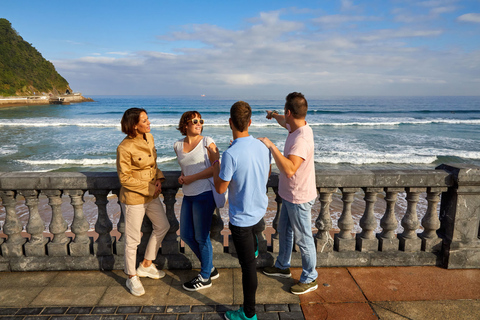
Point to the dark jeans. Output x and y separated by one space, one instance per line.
245 243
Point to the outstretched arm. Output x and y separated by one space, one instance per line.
280 118
287 165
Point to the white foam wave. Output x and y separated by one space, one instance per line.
397 123
359 158
9 149
83 162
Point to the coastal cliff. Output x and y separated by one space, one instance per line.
23 70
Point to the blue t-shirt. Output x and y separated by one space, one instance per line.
246 164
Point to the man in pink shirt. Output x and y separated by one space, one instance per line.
298 191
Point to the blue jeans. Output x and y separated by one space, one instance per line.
295 222
195 222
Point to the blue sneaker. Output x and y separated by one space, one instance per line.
238 315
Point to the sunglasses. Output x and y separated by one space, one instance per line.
195 121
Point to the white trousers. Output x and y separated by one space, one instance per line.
133 223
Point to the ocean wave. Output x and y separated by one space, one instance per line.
7 150
360 158
397 123
83 162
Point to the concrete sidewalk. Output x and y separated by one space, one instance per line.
343 293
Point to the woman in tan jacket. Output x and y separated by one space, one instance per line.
141 182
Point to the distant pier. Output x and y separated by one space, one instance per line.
43 99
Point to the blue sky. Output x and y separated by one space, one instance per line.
257 48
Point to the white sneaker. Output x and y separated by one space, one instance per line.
151 272
135 286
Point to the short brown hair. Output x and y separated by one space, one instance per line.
240 114
297 104
183 123
130 119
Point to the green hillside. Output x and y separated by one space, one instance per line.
23 70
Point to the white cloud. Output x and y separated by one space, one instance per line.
273 55
470 17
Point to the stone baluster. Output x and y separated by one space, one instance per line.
388 240
344 240
35 247
171 242
13 246
120 242
323 239
81 244
366 240
409 241
103 226
58 247
275 242
216 236
431 242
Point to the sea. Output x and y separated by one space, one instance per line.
350 132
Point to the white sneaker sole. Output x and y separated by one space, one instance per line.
306 291
135 293
280 275
196 289
149 275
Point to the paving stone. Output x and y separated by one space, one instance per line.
267 316
64 317
8 311
291 315
164 317
178 309
104 310
259 308
190 316
29 311
224 308
129 309
89 317
11 317
208 308
114 317
276 307
145 316
153 309
295 307
36 318
55 310
79 310
213 316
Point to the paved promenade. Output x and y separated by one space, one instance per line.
343 293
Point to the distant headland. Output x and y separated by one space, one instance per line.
26 77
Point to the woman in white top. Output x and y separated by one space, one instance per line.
198 203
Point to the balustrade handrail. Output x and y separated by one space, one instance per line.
450 236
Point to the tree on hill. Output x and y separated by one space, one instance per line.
23 70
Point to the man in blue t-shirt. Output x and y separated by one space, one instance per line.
244 170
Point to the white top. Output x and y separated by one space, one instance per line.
191 163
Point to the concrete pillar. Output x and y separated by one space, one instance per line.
431 242
13 246
171 242
460 217
409 241
275 241
344 240
81 244
388 240
36 245
366 240
103 226
323 239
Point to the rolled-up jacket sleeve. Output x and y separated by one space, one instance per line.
125 174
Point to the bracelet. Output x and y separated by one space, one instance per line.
215 162
273 112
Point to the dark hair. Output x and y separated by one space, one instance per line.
297 104
130 119
183 123
240 114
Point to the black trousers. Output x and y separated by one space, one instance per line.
245 243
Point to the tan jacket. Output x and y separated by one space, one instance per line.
137 169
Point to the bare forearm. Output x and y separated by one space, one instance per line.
285 165
280 119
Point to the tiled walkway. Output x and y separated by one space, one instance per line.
343 293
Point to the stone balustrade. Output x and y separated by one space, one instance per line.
449 237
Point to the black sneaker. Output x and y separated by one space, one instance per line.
277 272
214 275
197 283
